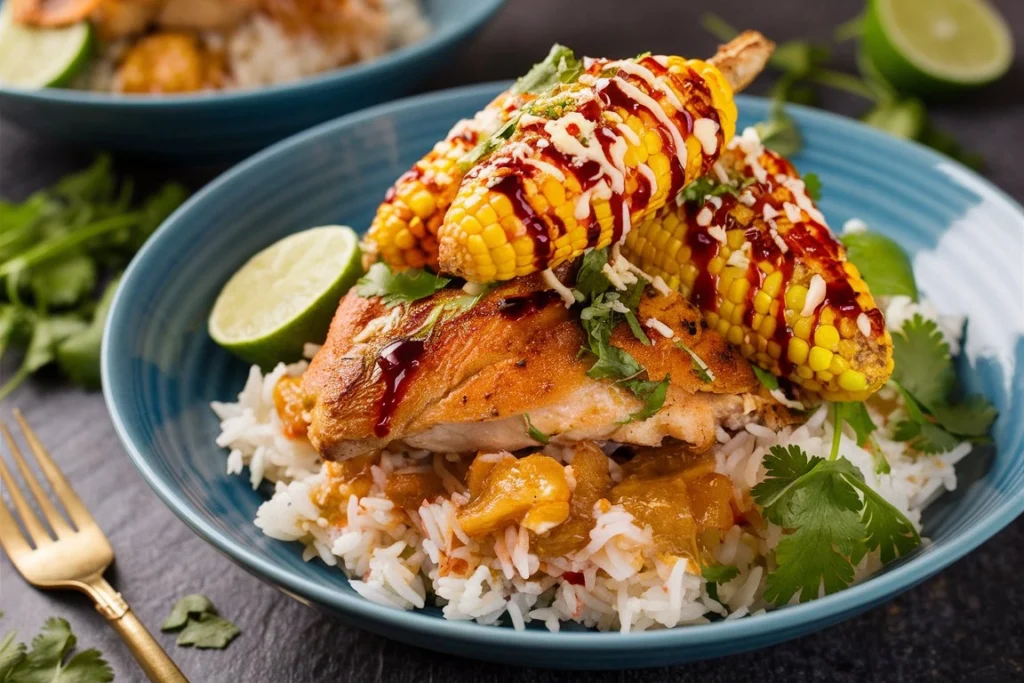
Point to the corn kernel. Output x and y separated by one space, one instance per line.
723 326
774 350
772 284
804 372
827 315
715 265
737 314
476 246
405 240
797 352
494 236
795 297
811 385
827 337
847 328
501 204
838 365
847 349
819 358
735 335
851 380
747 349
802 328
823 376
735 239
725 310
767 327
762 302
738 290
712 318
471 226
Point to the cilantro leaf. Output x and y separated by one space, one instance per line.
64 282
767 379
560 66
812 184
395 287
651 393
47 661
79 354
208 631
888 529
882 263
923 366
534 433
47 335
187 606
705 186
700 368
590 280
902 118
200 624
856 415
972 417
719 573
11 654
925 436
832 517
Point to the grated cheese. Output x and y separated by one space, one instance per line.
554 283
706 131
704 217
792 212
864 324
718 233
644 100
660 327
815 295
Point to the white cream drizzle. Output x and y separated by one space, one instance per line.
647 173
815 295
646 75
704 217
569 144
628 133
545 167
706 131
646 101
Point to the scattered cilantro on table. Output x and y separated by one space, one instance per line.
49 659
198 624
60 250
803 66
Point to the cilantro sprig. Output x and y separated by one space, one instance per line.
398 287
832 519
61 252
804 66
936 422
198 624
50 658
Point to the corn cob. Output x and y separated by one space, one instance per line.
768 275
404 231
589 159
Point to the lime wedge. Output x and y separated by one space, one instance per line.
286 295
937 46
41 57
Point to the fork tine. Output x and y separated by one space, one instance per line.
10 535
78 513
55 518
39 535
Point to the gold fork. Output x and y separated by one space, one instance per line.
74 556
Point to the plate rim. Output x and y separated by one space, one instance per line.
828 609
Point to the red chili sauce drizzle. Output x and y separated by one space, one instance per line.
589 173
808 240
574 578
516 307
398 362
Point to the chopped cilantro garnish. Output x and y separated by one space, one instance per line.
560 66
705 186
395 287
812 185
923 365
48 659
700 368
856 415
767 379
719 573
882 263
199 624
535 434
832 519
651 393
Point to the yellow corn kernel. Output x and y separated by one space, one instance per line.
725 310
851 380
762 302
767 327
494 236
804 372
738 290
735 335
774 350
715 265
847 349
824 376
827 316
827 337
802 328
797 352
819 358
735 239
848 328
795 297
838 365
772 284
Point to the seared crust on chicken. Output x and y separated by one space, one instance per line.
476 374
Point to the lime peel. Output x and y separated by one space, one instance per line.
32 57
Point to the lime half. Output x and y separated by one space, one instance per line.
286 295
40 57
937 46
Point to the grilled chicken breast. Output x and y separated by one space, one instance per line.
468 383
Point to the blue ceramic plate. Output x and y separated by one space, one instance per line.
160 369
217 126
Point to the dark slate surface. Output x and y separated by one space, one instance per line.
965 624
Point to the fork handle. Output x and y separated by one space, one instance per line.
154 661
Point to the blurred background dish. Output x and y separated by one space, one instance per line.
161 78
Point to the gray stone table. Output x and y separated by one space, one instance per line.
964 624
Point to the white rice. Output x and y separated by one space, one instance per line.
616 582
259 52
